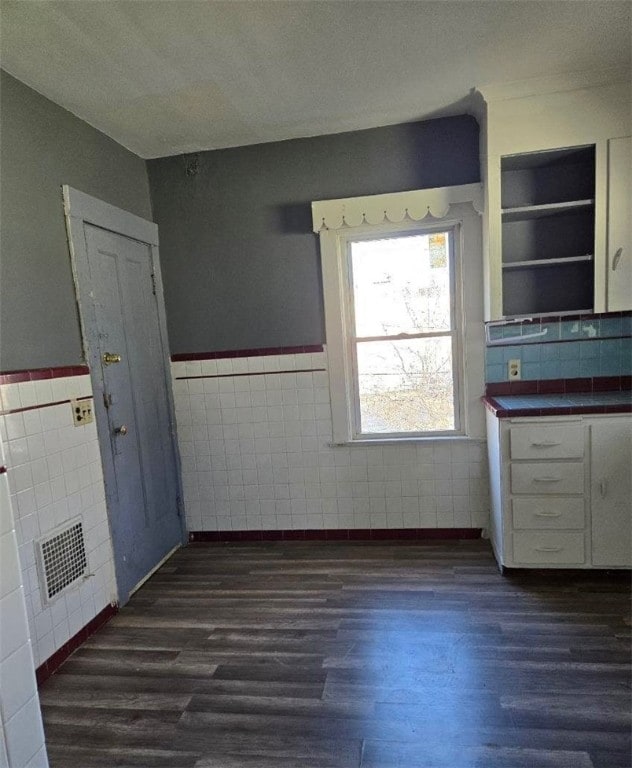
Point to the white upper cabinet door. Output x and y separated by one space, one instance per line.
611 493
619 280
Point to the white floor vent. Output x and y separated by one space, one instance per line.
62 558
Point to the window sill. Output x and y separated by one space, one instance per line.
408 441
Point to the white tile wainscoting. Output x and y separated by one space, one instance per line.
254 435
55 475
21 732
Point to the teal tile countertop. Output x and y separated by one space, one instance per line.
505 406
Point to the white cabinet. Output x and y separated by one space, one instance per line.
619 277
557 196
611 491
561 491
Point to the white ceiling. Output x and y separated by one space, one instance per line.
169 76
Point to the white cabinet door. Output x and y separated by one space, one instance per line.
619 279
611 491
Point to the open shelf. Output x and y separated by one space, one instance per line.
547 158
548 209
531 263
548 231
562 287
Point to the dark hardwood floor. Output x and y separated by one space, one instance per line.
340 655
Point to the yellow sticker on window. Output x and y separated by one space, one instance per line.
438 251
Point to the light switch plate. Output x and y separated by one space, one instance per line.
513 370
81 412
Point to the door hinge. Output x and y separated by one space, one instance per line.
153 283
107 400
179 506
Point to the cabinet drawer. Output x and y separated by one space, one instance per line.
555 477
549 512
548 548
547 441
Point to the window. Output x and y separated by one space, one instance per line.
401 365
403 338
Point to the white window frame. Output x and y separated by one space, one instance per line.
351 346
462 220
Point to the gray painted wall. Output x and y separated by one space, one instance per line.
239 259
42 147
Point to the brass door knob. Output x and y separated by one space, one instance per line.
109 358
122 430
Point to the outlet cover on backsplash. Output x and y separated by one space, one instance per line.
513 370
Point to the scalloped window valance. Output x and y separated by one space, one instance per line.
394 208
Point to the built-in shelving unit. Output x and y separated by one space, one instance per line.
548 231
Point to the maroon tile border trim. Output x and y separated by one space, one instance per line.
37 374
559 386
254 373
52 664
44 405
184 357
338 534
572 410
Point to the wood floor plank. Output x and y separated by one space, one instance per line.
65 684
272 761
251 750
93 661
606 712
108 699
444 756
114 757
116 636
351 655
278 705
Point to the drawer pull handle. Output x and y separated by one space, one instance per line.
548 514
545 444
547 479
549 549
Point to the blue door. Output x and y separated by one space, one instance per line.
130 378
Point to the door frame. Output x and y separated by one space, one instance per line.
81 209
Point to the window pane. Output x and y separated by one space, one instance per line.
406 386
401 284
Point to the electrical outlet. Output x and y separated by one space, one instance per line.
81 412
513 370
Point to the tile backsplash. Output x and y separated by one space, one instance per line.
579 347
